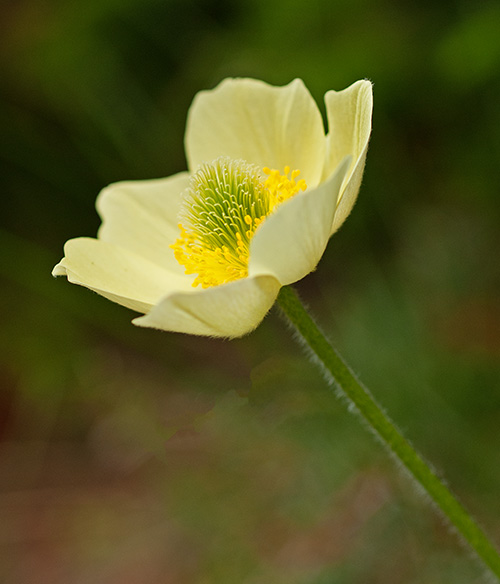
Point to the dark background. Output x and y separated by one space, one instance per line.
131 455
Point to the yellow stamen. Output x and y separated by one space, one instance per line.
281 187
225 203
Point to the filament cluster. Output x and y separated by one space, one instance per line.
224 205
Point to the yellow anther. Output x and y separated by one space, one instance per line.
280 187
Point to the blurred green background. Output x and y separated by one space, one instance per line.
135 456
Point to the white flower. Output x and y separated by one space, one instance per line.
240 223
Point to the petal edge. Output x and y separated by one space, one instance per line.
291 241
230 310
349 114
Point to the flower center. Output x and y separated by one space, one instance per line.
224 204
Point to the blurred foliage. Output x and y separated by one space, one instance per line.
138 456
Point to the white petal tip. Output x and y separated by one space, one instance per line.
59 270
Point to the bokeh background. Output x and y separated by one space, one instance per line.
134 456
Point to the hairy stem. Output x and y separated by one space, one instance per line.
348 385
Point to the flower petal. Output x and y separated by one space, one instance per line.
349 114
117 273
292 240
264 125
141 216
231 310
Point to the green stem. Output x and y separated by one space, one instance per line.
348 386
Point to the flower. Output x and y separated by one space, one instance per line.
205 252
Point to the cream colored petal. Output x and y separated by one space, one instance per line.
262 124
291 241
117 273
141 216
349 114
230 310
